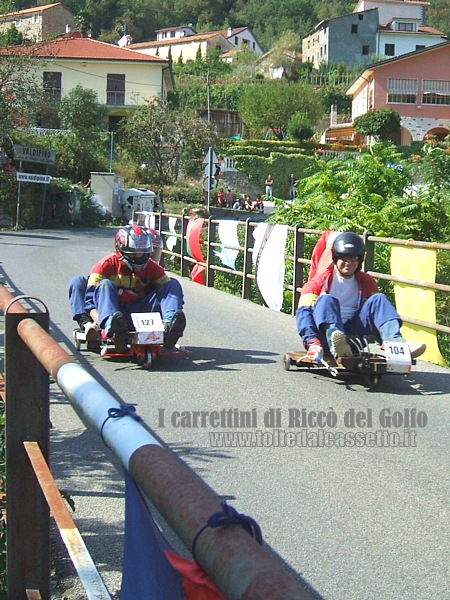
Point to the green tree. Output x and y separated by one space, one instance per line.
161 137
299 128
20 90
270 105
432 167
367 193
11 37
81 149
382 123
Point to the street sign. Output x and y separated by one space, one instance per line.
209 183
211 157
33 178
44 156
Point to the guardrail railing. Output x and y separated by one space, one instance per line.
297 264
298 240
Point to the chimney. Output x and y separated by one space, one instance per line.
333 115
229 32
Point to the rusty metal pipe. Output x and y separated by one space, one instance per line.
41 344
236 563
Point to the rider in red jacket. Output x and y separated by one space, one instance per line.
342 300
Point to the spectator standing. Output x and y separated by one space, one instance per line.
217 172
269 186
229 198
292 187
221 198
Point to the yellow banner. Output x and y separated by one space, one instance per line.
415 302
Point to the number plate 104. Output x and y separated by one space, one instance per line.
398 356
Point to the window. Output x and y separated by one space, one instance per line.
236 40
402 91
52 85
420 47
361 17
36 18
406 27
435 91
365 50
389 49
354 28
115 90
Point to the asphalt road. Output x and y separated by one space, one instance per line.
353 523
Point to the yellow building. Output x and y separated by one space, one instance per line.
122 79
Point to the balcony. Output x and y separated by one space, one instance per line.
115 98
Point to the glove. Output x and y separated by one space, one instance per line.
315 350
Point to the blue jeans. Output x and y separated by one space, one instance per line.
77 290
168 298
377 317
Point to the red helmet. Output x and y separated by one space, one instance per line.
134 245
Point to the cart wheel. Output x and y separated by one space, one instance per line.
374 380
147 360
77 340
286 362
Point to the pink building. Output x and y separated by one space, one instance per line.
416 85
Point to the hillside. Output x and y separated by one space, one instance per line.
267 18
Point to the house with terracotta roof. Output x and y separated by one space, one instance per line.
184 42
40 23
122 79
185 47
416 85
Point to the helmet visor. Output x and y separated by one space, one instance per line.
349 257
137 259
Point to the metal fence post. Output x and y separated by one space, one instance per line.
369 259
27 419
212 229
183 250
248 245
299 252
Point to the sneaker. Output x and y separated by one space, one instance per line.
315 350
339 345
116 323
174 329
417 349
83 320
91 332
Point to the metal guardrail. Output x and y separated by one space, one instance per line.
297 261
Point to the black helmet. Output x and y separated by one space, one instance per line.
348 244
133 245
